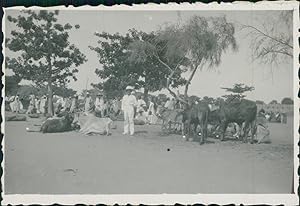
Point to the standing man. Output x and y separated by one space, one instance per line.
43 103
74 104
128 104
99 105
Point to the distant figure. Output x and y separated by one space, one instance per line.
141 104
140 118
37 105
128 104
262 131
99 105
87 104
16 106
68 103
31 106
116 107
152 118
74 104
43 103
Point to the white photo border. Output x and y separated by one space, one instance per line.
171 199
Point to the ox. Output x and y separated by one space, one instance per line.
55 124
243 112
196 115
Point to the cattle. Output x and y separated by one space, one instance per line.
243 112
196 115
56 124
90 124
170 118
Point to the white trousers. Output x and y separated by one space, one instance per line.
128 120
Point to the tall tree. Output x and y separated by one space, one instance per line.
118 71
43 53
196 45
272 40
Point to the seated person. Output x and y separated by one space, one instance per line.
140 118
262 131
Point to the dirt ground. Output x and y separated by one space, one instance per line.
147 163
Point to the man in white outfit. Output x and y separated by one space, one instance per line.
128 104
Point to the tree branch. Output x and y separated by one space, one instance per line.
266 35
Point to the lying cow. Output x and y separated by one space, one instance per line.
90 124
55 125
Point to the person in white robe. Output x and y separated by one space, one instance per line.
128 104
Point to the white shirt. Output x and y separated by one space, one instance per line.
99 102
128 101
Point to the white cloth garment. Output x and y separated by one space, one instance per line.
43 105
87 104
128 104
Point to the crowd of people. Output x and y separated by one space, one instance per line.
133 108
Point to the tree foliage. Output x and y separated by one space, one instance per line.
287 100
118 71
11 84
44 53
237 91
273 102
272 40
259 102
195 45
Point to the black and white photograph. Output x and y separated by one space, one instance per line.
151 100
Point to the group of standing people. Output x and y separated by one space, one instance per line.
36 104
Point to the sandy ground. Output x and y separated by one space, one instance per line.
148 163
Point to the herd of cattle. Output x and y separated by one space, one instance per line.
196 118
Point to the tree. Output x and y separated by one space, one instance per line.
287 100
237 92
44 54
196 45
11 84
118 71
273 102
272 41
162 97
259 102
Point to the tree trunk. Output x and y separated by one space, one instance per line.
194 69
146 91
50 99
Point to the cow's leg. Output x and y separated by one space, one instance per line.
163 126
188 132
202 135
195 134
223 130
240 135
183 129
253 131
246 131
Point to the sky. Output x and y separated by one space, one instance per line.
236 67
